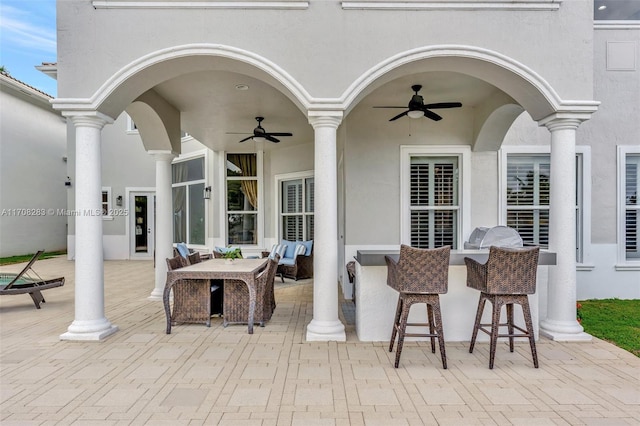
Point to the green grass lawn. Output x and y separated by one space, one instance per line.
614 320
26 257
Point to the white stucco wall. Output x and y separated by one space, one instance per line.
354 41
32 172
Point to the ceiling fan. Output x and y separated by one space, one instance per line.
417 107
260 133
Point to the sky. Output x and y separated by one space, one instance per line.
27 39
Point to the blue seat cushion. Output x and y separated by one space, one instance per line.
287 261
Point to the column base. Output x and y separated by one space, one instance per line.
156 294
326 331
89 330
563 331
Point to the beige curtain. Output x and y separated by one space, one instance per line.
247 164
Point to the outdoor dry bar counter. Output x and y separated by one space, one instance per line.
376 302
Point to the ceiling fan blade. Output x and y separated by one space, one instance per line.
246 139
390 106
444 105
400 115
432 115
270 138
280 134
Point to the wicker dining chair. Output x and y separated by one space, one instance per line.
216 284
507 277
191 298
236 297
420 276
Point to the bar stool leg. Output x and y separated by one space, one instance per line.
476 325
432 329
406 307
396 323
510 325
495 327
527 320
438 325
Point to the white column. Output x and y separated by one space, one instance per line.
164 219
325 325
561 323
90 322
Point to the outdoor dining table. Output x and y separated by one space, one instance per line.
238 269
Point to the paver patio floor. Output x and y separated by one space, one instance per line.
223 376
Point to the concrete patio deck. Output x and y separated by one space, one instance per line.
223 376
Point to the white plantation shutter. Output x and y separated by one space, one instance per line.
528 197
528 184
632 207
434 201
297 209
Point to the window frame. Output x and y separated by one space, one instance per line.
278 180
106 190
180 159
583 189
463 153
623 262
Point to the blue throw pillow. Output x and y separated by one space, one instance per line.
300 250
183 250
291 248
308 245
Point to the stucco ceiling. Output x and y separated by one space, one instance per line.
211 106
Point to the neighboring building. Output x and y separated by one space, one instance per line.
33 171
546 140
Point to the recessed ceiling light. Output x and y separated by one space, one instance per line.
242 87
603 7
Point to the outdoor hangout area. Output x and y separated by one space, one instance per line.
223 375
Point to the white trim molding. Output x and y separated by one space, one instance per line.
533 5
616 25
200 4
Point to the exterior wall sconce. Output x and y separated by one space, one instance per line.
119 201
207 192
68 181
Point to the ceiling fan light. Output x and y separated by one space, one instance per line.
259 139
415 114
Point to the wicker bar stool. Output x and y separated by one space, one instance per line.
506 279
420 276
191 298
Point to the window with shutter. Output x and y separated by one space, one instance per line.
631 207
528 198
434 201
528 180
296 209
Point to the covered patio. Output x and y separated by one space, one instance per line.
200 375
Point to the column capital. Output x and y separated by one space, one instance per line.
88 118
564 120
162 154
325 118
